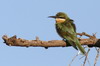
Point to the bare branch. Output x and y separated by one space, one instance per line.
14 41
97 56
91 41
73 59
86 58
85 34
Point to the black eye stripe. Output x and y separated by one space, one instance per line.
62 17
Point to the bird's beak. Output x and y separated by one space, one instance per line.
52 17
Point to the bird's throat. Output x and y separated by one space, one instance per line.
59 20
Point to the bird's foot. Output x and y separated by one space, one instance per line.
64 40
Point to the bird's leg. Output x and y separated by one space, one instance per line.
65 40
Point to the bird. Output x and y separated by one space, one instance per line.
66 29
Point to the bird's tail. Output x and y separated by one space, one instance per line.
80 47
71 43
76 45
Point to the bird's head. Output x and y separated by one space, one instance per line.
60 17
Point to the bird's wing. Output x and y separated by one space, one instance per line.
71 33
73 24
70 30
72 37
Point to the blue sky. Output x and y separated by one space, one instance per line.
29 18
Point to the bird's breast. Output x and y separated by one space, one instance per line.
61 30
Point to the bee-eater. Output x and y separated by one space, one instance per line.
67 30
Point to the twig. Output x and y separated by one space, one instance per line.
85 34
73 59
97 56
86 58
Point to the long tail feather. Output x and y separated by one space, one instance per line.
80 47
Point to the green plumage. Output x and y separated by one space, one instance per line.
67 31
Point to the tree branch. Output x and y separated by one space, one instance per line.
92 41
